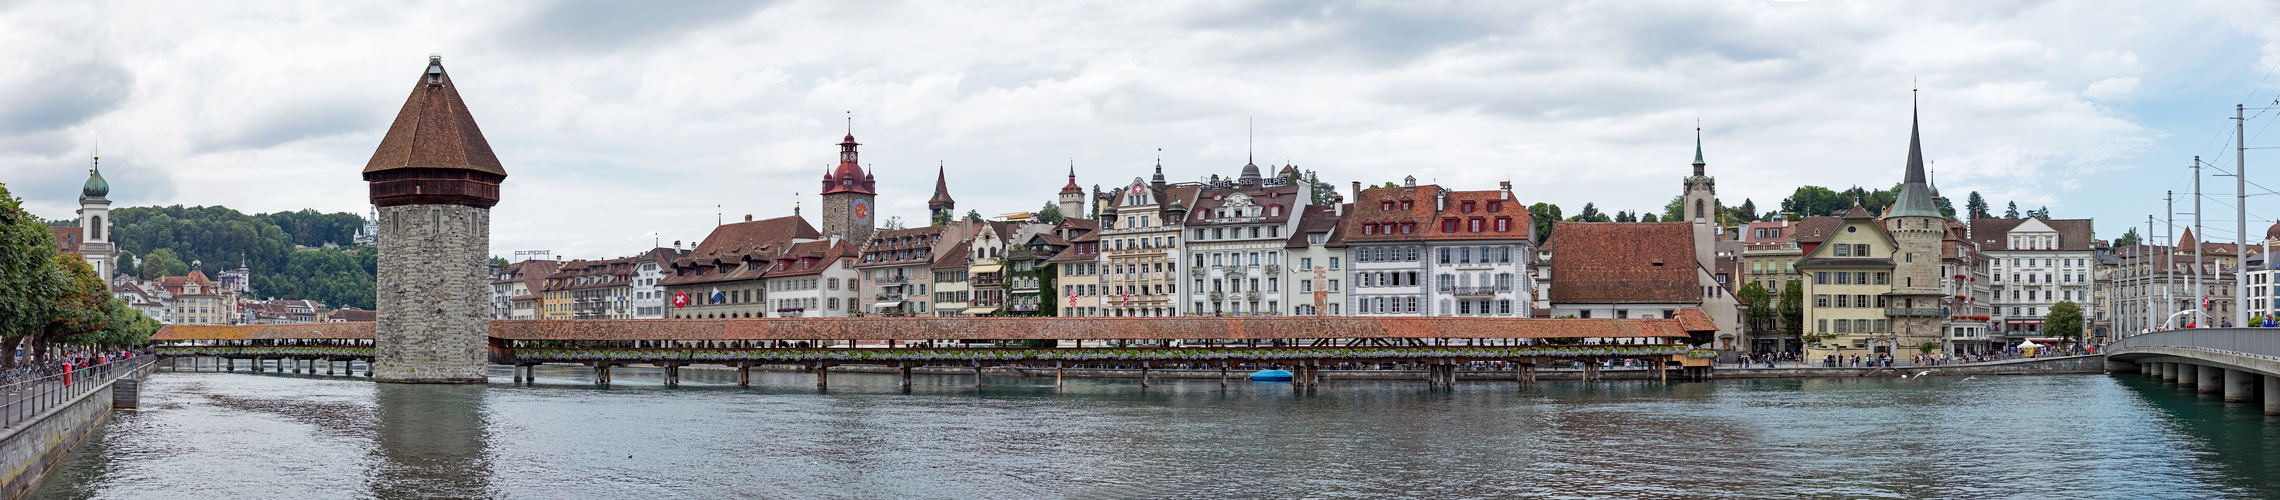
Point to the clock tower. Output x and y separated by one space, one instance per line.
848 196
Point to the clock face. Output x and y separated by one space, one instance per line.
862 211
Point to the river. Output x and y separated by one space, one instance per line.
248 435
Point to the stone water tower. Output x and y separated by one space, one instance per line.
434 180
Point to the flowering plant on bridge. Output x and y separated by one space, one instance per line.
1701 354
306 351
1081 355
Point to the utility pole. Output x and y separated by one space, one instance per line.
2146 244
2169 261
2240 220
2200 309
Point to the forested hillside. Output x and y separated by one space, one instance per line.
169 239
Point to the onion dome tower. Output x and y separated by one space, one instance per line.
433 182
94 219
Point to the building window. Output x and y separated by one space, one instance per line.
1448 225
1821 300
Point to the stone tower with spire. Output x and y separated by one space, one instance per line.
94 224
1072 196
1916 304
848 194
941 206
1699 204
433 182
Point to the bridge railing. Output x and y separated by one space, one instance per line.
24 400
2263 341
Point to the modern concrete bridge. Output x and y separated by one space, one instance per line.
2241 363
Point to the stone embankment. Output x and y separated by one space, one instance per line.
50 416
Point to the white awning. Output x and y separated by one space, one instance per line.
887 305
981 310
988 268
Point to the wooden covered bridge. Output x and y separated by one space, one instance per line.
1304 344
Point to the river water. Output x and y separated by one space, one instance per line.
248 435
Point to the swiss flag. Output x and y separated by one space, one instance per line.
681 299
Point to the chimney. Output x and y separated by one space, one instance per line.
1357 190
1338 205
748 217
676 244
1440 199
1507 185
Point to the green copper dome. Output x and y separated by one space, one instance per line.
96 188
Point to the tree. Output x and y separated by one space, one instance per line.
80 308
2064 320
1793 307
1625 216
1323 192
973 216
1974 206
2129 239
1761 312
500 262
1545 214
1675 211
1649 218
1811 201
1590 213
1097 197
2039 213
894 223
1947 208
1747 212
29 278
2012 212
1051 214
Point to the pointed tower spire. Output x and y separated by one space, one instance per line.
1158 181
434 153
1916 198
1698 164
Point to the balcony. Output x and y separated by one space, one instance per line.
1029 255
1199 271
988 280
1252 296
1900 312
889 297
1474 291
986 303
891 280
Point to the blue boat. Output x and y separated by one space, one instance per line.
1270 376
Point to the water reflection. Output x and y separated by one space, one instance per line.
430 441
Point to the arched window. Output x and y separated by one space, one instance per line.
1698 209
95 232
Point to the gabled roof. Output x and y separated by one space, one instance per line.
1625 262
1317 220
66 238
1370 210
2073 234
1815 229
434 130
811 258
954 258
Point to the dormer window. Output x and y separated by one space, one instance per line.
1386 205
1495 206
1467 207
1408 204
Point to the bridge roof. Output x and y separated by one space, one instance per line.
1287 327
265 332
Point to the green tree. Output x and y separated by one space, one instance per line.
1793 307
29 278
80 309
1590 213
2064 320
1625 216
1649 218
894 223
1051 214
2129 238
1675 211
1947 208
1975 206
2012 212
1761 313
1545 214
1323 192
500 262
162 262
2039 213
1747 212
973 216
1813 201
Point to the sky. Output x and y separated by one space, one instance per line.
624 124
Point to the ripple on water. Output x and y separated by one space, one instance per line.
1990 437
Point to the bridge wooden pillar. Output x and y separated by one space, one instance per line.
1058 367
744 374
1144 374
2238 386
822 376
518 373
977 375
904 372
672 374
601 373
1222 374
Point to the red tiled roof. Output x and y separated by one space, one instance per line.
1692 319
251 332
1370 210
66 238
434 130
1317 220
1815 229
954 258
747 246
355 315
2073 234
1624 262
811 258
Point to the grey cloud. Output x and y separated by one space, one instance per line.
1369 34
605 26
290 123
63 95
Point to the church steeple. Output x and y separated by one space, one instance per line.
1698 164
941 206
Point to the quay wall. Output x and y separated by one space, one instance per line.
33 448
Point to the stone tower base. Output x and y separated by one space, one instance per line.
433 323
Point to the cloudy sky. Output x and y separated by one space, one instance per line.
624 122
